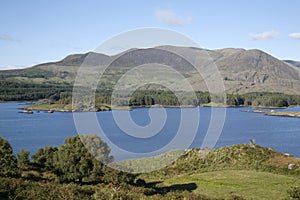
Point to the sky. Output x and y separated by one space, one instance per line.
33 32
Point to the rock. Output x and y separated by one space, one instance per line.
291 166
252 143
287 154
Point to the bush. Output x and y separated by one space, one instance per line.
23 159
8 162
44 158
140 182
19 189
294 193
73 162
236 197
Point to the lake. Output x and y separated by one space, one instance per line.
33 131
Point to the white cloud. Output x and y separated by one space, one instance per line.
264 35
295 35
6 37
171 18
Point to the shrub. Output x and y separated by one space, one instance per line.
294 192
8 162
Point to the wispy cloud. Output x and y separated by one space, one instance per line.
264 35
295 35
6 37
171 18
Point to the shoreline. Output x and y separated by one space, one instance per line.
57 107
275 113
105 107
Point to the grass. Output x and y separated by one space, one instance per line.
248 171
213 104
46 106
246 183
277 113
236 157
245 171
287 114
65 107
283 160
143 165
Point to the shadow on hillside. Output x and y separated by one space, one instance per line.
152 184
172 188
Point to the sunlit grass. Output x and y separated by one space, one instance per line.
245 183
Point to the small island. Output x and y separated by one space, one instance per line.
275 113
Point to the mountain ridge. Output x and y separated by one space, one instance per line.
292 62
243 71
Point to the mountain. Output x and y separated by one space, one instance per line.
243 71
255 70
292 62
247 71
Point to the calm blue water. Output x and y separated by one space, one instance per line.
33 131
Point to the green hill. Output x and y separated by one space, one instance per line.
251 172
70 172
251 78
236 157
233 172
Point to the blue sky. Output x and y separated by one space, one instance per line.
34 32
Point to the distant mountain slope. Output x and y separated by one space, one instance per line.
292 62
255 70
243 70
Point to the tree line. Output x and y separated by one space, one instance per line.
62 94
70 162
16 91
168 98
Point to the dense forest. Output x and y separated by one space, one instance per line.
17 91
62 94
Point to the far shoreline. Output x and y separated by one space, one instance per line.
67 108
36 106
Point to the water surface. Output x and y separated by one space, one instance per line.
33 131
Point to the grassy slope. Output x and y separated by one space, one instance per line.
246 183
157 162
251 172
243 170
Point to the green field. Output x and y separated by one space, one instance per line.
245 183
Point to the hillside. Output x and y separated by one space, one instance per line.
247 171
255 70
244 71
236 157
292 62
251 73
70 172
